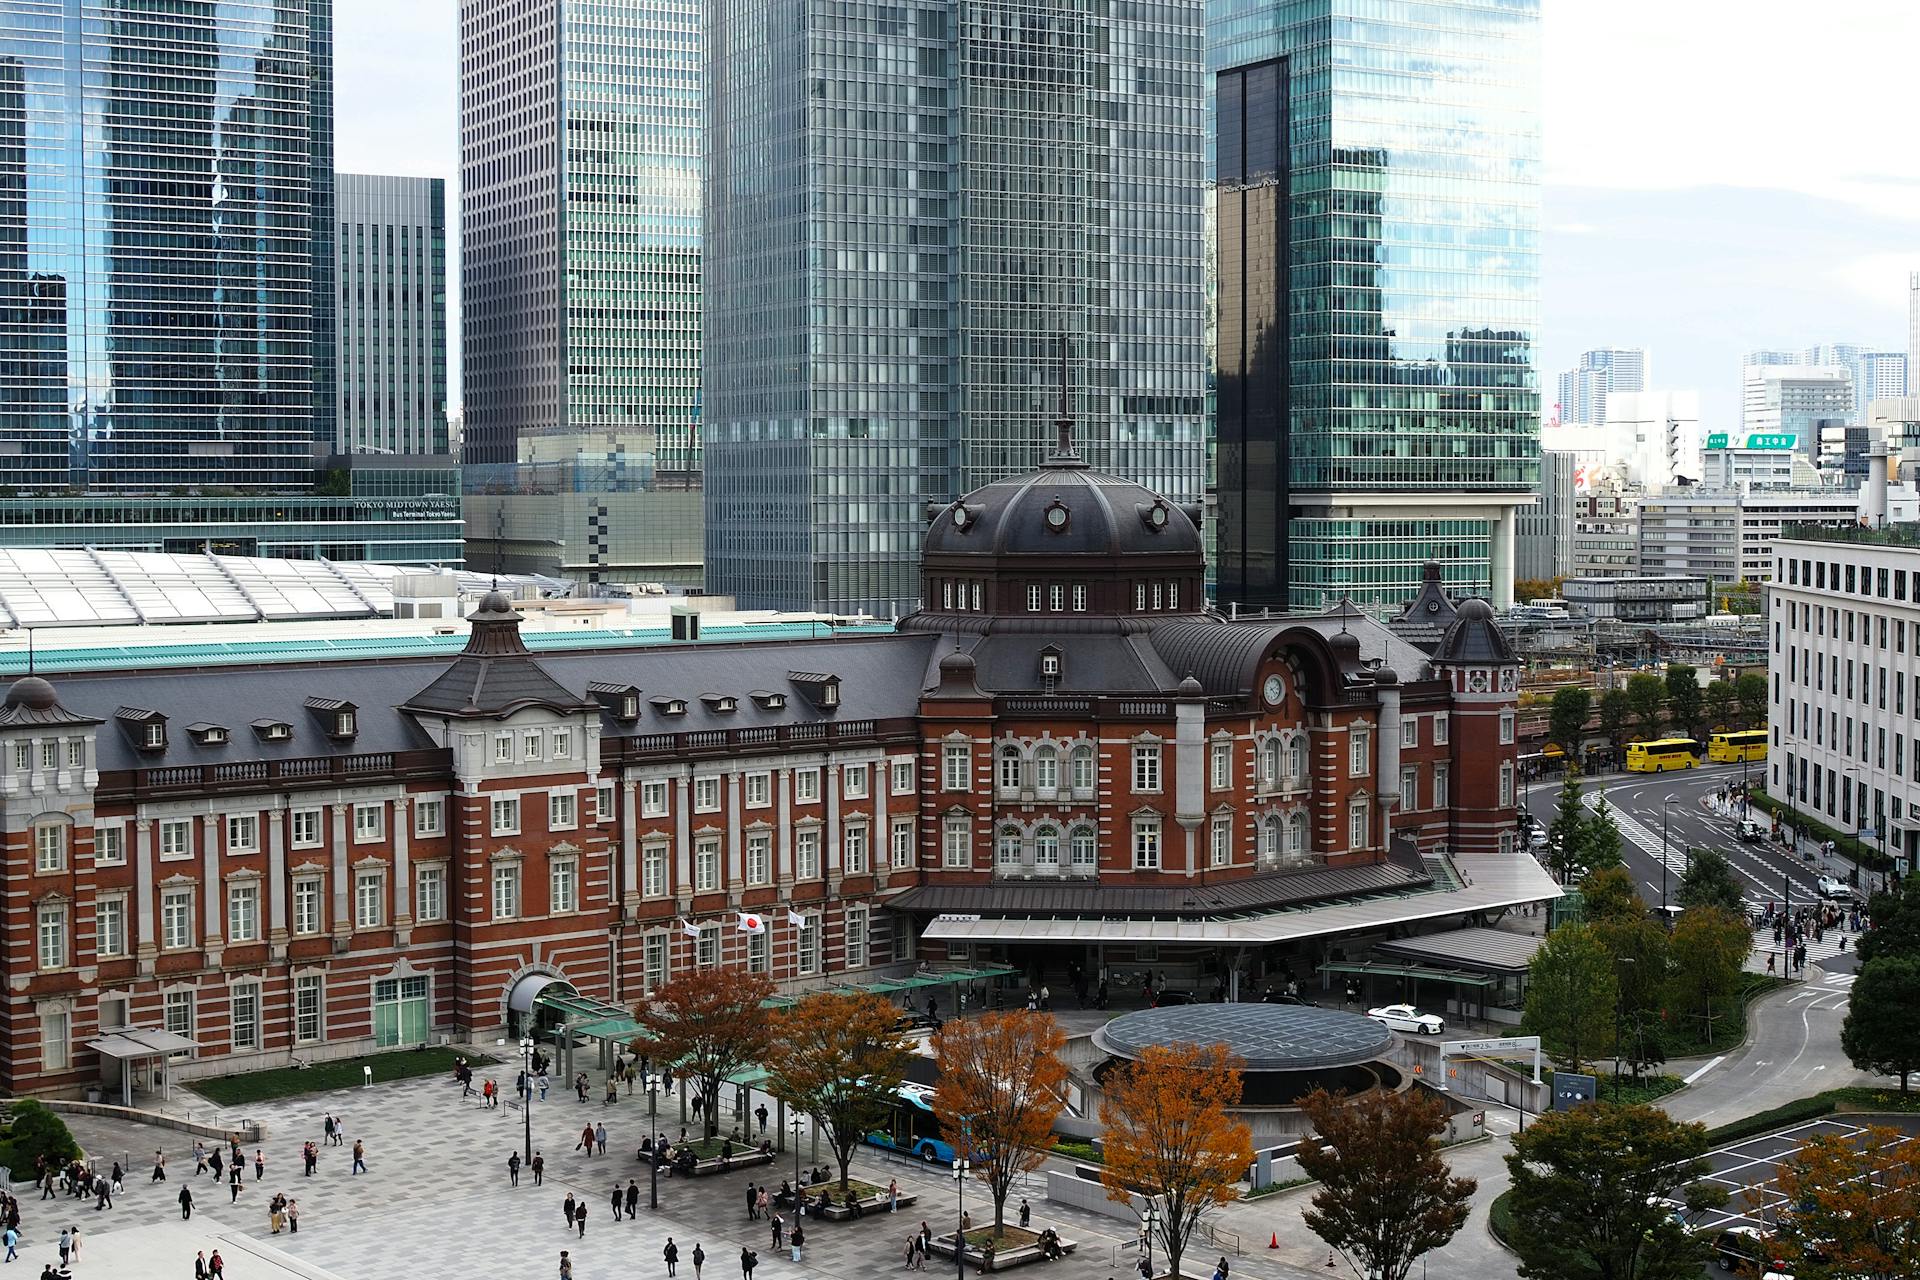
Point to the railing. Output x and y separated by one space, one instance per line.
1106 708
720 741
302 771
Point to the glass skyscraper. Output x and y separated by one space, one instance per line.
580 215
391 376
166 176
909 205
1376 199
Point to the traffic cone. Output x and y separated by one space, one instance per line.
1329 1259
1274 1241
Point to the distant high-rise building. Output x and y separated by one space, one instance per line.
580 221
907 208
1585 387
391 264
166 261
1883 376
1797 400
1374 411
1543 546
1913 329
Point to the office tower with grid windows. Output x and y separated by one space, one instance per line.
1585 387
166 209
1376 195
391 265
908 205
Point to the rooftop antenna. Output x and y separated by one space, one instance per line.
29 650
1063 450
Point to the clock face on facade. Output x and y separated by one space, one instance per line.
1274 690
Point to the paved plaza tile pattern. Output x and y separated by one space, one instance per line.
435 1203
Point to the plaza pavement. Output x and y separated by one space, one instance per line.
435 1203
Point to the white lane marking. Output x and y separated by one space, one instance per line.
1703 1070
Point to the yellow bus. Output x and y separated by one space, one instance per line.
1662 755
1747 744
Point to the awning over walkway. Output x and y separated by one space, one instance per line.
586 1016
1488 950
142 1042
525 991
1374 969
1488 882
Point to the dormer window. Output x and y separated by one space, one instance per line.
830 695
338 717
768 701
343 725
1154 517
670 706
154 736
207 735
148 729
720 703
273 730
820 689
630 707
1050 664
621 701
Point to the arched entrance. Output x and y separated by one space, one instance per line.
527 1013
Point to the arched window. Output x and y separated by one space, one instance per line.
1046 851
1009 768
1270 764
1297 766
1297 835
1086 860
1046 770
1082 761
1269 840
1006 850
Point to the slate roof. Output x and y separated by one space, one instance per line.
1106 517
1474 637
1272 891
881 678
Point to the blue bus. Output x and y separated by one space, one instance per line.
912 1128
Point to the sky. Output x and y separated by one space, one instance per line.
1719 175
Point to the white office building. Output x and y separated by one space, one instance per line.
1844 609
1741 461
1798 400
1730 536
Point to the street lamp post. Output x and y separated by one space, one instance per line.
798 1181
1619 996
526 1092
961 1166
654 1083
1665 805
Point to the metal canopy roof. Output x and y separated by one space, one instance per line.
1268 1037
142 1042
1373 968
1497 950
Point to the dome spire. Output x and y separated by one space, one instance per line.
1064 454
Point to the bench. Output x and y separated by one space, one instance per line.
1002 1258
745 1158
869 1206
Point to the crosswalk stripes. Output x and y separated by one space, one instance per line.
1827 947
1634 830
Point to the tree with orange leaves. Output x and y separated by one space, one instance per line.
1170 1139
706 1025
1850 1207
840 1059
1002 1085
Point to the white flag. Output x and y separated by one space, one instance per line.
751 922
795 919
689 928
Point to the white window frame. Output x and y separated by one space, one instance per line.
654 858
603 802
176 1003
759 857
1147 779
369 821
858 781
1410 731
109 845
1220 842
858 936
956 766
1359 822
176 919
1440 729
429 893
653 798
1008 766
902 771
503 890
855 845
243 911
560 744
532 746
1506 728
504 815
1359 751
303 887
706 793
1219 766
655 961
172 850
1083 847
244 1016
429 817
503 747
806 853
757 789
50 941
706 864
243 833
110 925
1409 788
49 847
1147 853
563 810
706 947
760 952
809 947
956 841
309 1008
1506 784
313 818
370 899
1441 775
1079 757
56 1039
900 843
563 886
806 786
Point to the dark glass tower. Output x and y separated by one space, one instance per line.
1376 268
166 176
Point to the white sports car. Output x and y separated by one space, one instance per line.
1404 1017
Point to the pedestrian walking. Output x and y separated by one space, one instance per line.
199 1158
539 1167
567 1208
544 1083
798 1240
619 1197
327 1129
513 1169
186 1203
12 1240
66 1246
159 1167
586 1141
748 1261
580 1087
699 1257
216 1267
753 1202
117 1179
233 1185
1026 1212
293 1216
75 1242
259 1164
214 1163
893 1195
359 1156
580 1219
671 1254
1225 1268
566 1266
600 1137
778 1229
760 1114
613 1091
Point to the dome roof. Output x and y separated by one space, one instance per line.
33 693
1064 509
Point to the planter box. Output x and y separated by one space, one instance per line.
869 1206
1003 1258
739 1160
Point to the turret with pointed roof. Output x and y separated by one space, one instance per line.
495 675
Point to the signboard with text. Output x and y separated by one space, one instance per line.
1770 441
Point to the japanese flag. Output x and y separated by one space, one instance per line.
795 919
752 923
689 928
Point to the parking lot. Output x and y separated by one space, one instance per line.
1747 1170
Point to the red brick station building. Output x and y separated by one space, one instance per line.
1065 758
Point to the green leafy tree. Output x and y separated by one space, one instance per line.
1616 711
1685 702
1637 945
1708 882
1386 1194
1708 948
1609 894
1896 924
1566 836
1570 994
1723 704
1647 700
1600 841
1588 1186
1567 718
1751 690
36 1131
1881 1034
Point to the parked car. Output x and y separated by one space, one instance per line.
1537 839
1404 1017
1742 1248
